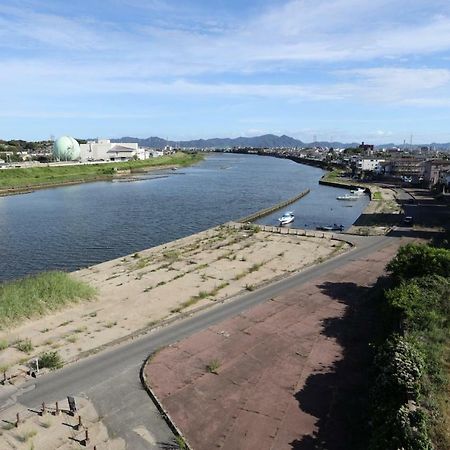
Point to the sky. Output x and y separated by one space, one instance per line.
347 70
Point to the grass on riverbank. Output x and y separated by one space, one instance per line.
334 175
35 176
36 295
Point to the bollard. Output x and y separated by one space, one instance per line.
17 420
57 409
79 424
86 438
4 378
43 409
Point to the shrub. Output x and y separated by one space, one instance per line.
400 366
213 366
421 303
417 260
50 360
25 346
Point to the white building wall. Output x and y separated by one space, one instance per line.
98 150
369 164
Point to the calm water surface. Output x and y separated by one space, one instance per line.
77 226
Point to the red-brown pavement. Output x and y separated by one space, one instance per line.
276 381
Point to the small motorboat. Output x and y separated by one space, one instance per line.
359 191
334 227
286 218
347 197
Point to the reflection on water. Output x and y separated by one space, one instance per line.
76 226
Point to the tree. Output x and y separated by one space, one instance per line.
418 260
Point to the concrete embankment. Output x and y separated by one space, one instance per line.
343 185
271 209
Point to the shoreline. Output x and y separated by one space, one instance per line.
92 178
154 287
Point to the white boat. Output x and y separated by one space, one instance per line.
359 191
286 218
348 197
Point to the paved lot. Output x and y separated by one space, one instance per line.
280 365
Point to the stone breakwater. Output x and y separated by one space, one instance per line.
271 209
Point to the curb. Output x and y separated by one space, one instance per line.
165 415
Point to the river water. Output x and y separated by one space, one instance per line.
76 226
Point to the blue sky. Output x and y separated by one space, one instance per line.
346 70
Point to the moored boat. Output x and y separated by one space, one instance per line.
347 197
334 227
358 191
286 218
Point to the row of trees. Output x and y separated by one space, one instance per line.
409 406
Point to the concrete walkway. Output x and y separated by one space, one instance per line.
279 367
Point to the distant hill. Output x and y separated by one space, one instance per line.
264 141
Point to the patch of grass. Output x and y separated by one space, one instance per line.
172 255
255 267
25 345
216 290
180 443
37 295
240 275
71 339
81 329
377 196
4 344
50 360
111 324
143 262
7 426
213 366
249 287
336 173
63 324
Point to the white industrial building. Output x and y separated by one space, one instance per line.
105 150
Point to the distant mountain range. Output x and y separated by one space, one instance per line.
264 141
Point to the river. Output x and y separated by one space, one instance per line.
76 226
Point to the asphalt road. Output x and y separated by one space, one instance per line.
110 379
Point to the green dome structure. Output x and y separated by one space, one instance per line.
66 148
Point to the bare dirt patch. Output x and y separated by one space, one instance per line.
50 430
